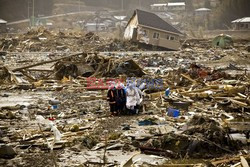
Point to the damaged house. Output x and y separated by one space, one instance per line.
241 24
148 28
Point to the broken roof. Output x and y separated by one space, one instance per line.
151 20
2 21
242 20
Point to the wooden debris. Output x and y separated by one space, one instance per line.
243 161
224 161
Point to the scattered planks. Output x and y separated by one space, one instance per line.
25 69
216 163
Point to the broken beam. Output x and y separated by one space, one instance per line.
49 61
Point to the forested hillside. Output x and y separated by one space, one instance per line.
230 10
13 10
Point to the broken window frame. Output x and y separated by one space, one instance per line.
167 36
170 37
156 35
144 32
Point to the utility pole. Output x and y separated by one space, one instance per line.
28 9
122 5
97 22
33 13
79 5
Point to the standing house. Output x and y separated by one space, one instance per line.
241 24
171 6
202 16
159 7
176 6
148 28
202 3
3 27
93 27
202 12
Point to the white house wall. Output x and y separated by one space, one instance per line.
162 41
142 37
128 34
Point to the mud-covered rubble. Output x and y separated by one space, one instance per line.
82 121
161 63
202 137
43 40
208 87
4 75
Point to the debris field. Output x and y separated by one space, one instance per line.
53 88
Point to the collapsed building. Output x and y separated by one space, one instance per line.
148 28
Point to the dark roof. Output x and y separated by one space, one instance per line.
154 21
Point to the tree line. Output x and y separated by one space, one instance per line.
14 10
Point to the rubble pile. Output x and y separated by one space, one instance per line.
196 104
202 138
43 40
98 66
208 137
4 75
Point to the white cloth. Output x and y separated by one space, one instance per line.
57 134
132 97
139 99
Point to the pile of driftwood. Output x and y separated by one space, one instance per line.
94 65
22 76
76 65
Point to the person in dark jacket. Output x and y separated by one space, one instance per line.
111 98
120 98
